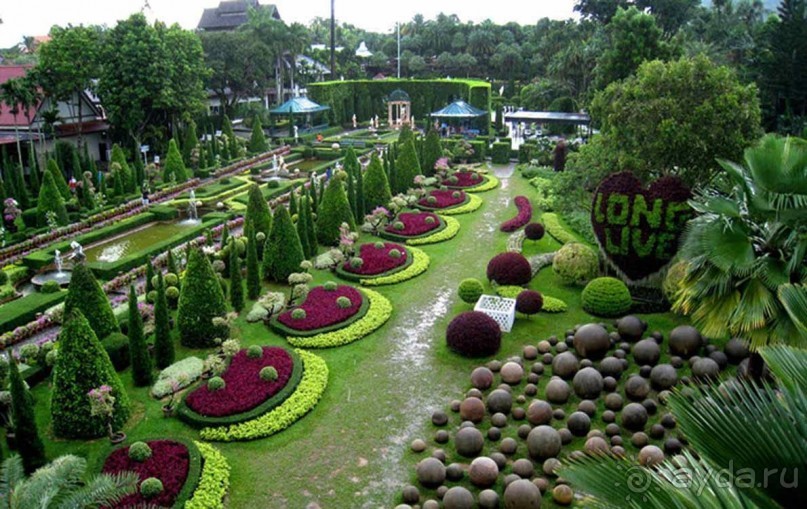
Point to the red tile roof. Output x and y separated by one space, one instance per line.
6 118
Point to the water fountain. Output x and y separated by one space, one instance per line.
59 275
193 213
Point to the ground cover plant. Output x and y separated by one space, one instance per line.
323 308
437 199
413 224
523 216
463 179
377 258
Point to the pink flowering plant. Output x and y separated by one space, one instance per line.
102 404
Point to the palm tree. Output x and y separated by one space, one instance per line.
60 485
297 40
748 243
744 429
17 95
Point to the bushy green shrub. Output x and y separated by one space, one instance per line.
255 352
470 290
174 166
500 153
85 294
268 374
216 384
50 200
298 314
283 252
607 297
377 192
330 285
151 487
29 444
139 451
343 302
407 165
395 253
673 279
117 347
3 277
200 301
575 264
332 212
50 287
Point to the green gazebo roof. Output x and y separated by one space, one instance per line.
298 105
399 95
458 109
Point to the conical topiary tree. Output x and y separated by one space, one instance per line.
191 142
407 167
310 225
283 252
86 294
258 215
174 166
21 188
253 267
257 141
302 229
405 135
58 179
88 199
333 211
200 301
352 167
227 130
29 444
149 276
377 191
292 203
50 201
432 151
163 343
119 157
34 177
236 282
138 349
81 366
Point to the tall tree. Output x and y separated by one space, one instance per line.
187 73
201 299
407 166
257 141
600 10
163 343
258 216
174 166
333 211
85 294
58 179
18 97
283 252
376 187
432 151
253 268
29 444
138 349
50 201
236 281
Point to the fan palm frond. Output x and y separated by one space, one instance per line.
794 300
787 365
101 491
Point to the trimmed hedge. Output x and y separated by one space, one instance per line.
607 297
417 265
281 329
20 311
473 203
117 347
449 232
500 153
308 393
575 264
556 230
201 299
85 293
213 482
489 184
474 334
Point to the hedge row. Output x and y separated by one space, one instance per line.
557 230
474 202
500 153
23 310
417 266
449 232
359 278
214 481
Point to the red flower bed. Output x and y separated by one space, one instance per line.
445 198
464 179
321 309
523 217
244 389
169 462
414 224
377 260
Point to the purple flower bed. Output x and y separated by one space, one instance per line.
321 309
169 462
414 224
445 198
522 218
464 179
244 389
377 260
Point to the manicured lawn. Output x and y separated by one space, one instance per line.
352 450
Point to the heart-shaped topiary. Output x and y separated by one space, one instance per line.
638 229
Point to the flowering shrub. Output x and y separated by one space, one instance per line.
474 334
244 389
377 260
420 262
509 269
441 199
378 313
177 376
170 462
321 309
452 227
214 481
522 218
305 397
414 223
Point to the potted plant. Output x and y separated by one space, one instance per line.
102 403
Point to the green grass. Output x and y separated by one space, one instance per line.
352 449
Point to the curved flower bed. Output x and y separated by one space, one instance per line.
321 309
419 262
463 180
377 259
449 232
378 313
474 202
415 224
176 464
443 199
522 218
245 395
490 183
214 482
308 393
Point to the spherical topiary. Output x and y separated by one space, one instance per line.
139 451
591 341
49 287
379 245
171 279
3 277
522 494
543 442
470 290
529 302
474 334
216 383
268 374
343 302
298 314
575 264
431 472
565 365
673 279
606 296
431 200
151 487
587 383
685 341
398 225
646 352
469 442
429 220
509 269
395 254
483 472
151 297
356 262
172 293
255 352
329 286
630 328
534 231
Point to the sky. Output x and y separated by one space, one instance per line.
35 17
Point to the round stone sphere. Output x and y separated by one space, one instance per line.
499 420
458 498
637 388
611 366
591 341
500 401
663 376
657 431
439 418
557 391
705 368
668 421
522 494
430 504
494 434
650 455
561 347
616 440
646 352
530 389
523 431
523 468
634 416
579 424
608 416
645 371
720 358
547 358
472 409
494 365
565 436
630 328
500 459
673 446
439 454
685 341
431 472
529 352
441 437
587 383
736 350
537 368
418 445
483 472
596 445
543 442
488 499
650 405
508 446
562 494
565 365
512 373
410 494
612 429
469 442
482 378
455 405
639 439
613 401
539 412
588 407
609 384
519 413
